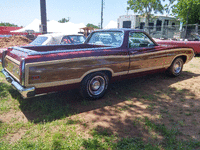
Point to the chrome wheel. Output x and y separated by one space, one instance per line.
96 85
178 66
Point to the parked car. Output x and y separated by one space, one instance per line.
193 43
58 38
35 70
54 39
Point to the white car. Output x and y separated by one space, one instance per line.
55 39
58 38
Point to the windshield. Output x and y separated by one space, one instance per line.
39 40
106 38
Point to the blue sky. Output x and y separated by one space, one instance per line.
23 12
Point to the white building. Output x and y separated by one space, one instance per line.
157 24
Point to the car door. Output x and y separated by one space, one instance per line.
144 53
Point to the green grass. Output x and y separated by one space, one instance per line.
53 123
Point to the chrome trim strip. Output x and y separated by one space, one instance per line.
73 60
25 92
120 73
23 72
162 51
145 69
33 52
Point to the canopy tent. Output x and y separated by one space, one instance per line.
32 26
54 26
111 24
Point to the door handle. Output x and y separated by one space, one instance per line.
133 52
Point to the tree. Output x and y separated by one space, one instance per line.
63 20
8 24
169 6
188 11
145 7
91 25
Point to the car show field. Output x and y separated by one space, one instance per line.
147 112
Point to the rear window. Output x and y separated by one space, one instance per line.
77 39
39 40
112 38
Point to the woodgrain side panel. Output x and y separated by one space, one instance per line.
73 70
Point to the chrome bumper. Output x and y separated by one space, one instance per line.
25 92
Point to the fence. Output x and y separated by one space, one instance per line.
176 32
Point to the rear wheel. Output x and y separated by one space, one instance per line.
94 85
176 67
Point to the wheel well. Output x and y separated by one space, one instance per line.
107 72
183 57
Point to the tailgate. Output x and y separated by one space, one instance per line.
12 66
12 62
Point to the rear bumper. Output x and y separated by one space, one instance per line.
25 92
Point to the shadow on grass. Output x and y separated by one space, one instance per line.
156 111
58 105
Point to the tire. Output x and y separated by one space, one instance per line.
94 85
176 67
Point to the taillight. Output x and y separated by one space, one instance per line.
2 59
22 72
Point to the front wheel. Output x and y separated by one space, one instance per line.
94 85
176 67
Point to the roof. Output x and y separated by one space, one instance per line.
59 34
120 29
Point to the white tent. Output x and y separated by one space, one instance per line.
111 24
54 26
32 26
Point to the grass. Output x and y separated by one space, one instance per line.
54 121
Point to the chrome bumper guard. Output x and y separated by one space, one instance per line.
25 92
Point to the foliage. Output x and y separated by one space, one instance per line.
188 11
63 20
8 24
91 25
169 6
145 7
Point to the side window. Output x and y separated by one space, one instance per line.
65 40
139 39
53 41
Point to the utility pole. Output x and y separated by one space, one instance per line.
102 14
43 16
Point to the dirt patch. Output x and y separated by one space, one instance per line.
16 136
14 41
13 117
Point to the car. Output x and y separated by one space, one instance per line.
54 39
193 42
105 55
58 38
